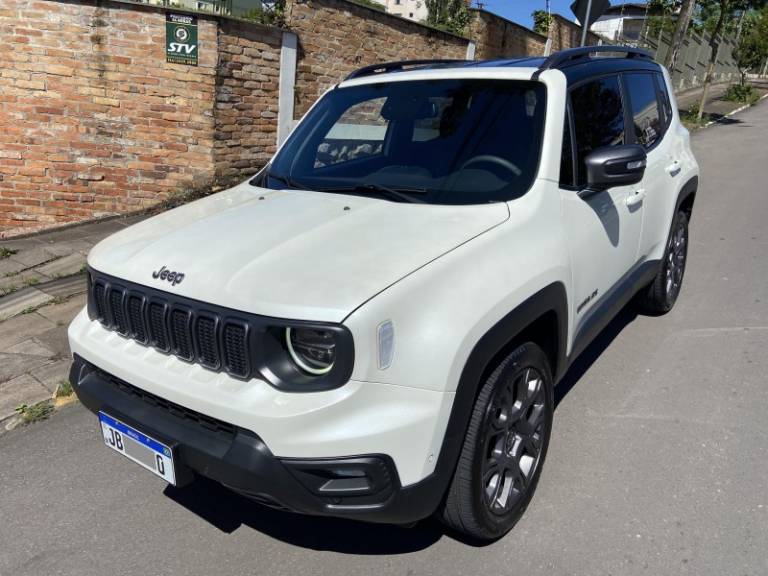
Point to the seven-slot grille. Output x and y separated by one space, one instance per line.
208 338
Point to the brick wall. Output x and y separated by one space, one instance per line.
498 37
93 121
246 98
566 34
337 37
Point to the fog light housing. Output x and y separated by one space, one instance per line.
313 350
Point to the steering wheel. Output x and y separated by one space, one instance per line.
498 160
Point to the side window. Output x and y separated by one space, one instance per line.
598 116
646 116
358 133
664 97
566 154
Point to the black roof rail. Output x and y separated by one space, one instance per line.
572 56
400 65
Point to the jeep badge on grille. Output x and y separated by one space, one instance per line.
172 277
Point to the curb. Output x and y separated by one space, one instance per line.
732 112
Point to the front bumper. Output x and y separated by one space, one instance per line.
365 487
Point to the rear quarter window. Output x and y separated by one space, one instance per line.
647 120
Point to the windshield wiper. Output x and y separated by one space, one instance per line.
404 195
287 180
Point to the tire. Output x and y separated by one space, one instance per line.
661 294
504 449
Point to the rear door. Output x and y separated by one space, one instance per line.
603 228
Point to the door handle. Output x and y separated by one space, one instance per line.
674 168
636 197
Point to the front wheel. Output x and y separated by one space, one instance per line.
505 447
660 296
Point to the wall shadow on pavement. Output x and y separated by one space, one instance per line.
595 349
229 511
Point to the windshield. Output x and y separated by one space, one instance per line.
457 141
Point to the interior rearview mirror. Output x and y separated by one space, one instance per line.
615 166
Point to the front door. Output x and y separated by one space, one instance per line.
603 228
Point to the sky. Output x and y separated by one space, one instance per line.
520 10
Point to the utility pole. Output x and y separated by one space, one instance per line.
585 24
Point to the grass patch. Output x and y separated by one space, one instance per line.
690 118
31 281
738 93
5 290
64 389
36 412
6 252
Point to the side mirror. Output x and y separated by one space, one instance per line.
615 166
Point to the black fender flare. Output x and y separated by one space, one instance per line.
688 188
552 298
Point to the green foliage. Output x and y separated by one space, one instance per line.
449 15
270 17
6 252
661 20
64 389
371 4
691 117
541 21
752 50
742 93
36 412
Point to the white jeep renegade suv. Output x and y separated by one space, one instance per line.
373 325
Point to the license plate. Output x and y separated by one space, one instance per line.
134 445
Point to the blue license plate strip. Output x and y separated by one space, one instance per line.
138 447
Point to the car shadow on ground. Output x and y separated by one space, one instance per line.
228 511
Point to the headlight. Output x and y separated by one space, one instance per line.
313 350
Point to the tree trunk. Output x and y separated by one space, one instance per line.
714 44
686 13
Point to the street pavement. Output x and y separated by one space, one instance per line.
658 462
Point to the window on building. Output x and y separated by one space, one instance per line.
646 115
598 116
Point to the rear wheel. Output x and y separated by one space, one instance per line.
505 447
660 296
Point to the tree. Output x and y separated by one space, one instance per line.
752 49
681 27
724 11
449 15
542 20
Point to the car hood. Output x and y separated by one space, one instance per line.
290 254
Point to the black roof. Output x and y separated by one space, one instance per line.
575 63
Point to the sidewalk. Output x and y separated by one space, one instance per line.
42 288
717 107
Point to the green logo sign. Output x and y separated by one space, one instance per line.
181 39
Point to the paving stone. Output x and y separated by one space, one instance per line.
51 375
21 244
68 247
22 327
10 266
21 280
63 266
62 314
24 389
65 287
13 365
55 340
16 303
32 347
32 257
